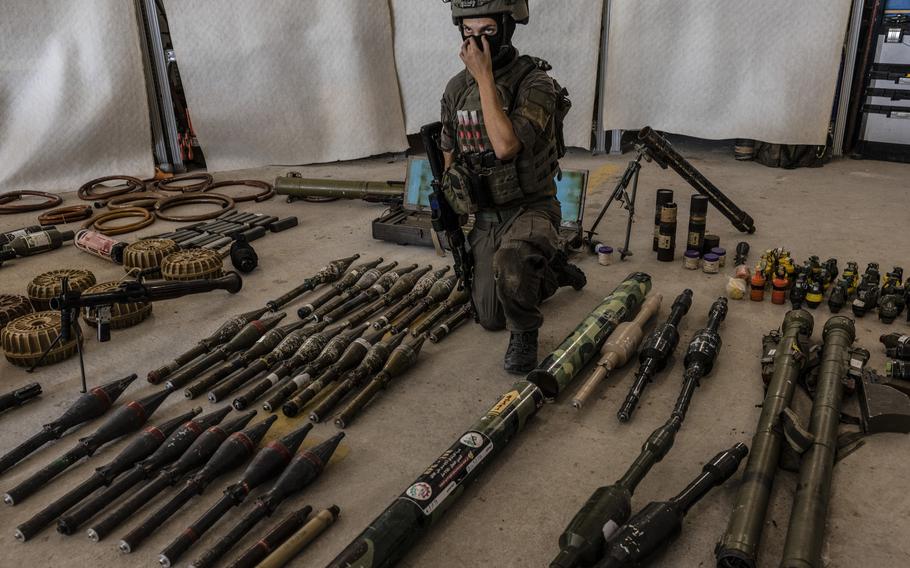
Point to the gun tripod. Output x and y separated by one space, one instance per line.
623 196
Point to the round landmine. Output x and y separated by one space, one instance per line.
148 255
192 264
122 315
48 285
12 307
26 339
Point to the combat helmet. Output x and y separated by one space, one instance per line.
517 9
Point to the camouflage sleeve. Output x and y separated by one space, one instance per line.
447 137
534 106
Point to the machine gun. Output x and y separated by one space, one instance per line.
70 303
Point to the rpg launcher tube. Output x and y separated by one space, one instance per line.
437 293
232 453
806 533
701 355
655 352
302 538
658 524
420 289
337 288
268 462
140 447
458 297
328 273
306 387
555 372
223 334
382 286
244 339
19 396
339 189
372 362
275 538
87 407
342 353
397 529
400 360
618 350
739 545
169 451
200 452
121 422
391 535
241 359
452 322
306 466
261 366
665 155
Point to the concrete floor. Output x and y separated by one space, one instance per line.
513 515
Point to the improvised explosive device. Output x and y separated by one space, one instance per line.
391 535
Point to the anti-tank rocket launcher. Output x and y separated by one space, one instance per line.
343 352
382 286
262 366
397 291
352 278
739 546
140 447
223 334
88 406
659 523
328 273
231 454
241 359
420 289
372 362
582 543
438 292
458 297
199 452
170 450
303 470
244 339
655 352
400 360
268 462
619 349
121 422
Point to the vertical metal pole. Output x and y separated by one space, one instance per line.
846 83
600 135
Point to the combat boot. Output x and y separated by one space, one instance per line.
567 274
521 356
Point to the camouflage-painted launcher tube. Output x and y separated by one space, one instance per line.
391 535
555 372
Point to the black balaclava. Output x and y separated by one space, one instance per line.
501 43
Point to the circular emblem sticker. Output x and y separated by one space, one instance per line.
472 440
420 491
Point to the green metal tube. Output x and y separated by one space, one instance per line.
739 546
339 189
391 535
555 372
803 547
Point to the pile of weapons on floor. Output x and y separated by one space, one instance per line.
188 451
364 328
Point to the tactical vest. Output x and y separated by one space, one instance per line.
479 180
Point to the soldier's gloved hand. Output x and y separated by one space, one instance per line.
477 60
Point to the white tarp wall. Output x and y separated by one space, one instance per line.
288 81
566 33
725 68
73 104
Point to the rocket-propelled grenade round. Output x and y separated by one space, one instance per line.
328 273
337 288
280 533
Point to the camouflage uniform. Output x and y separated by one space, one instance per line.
513 243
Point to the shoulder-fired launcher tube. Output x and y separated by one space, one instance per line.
88 406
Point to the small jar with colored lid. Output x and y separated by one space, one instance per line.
691 260
605 255
711 264
721 255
